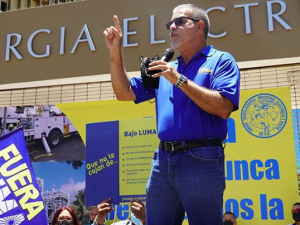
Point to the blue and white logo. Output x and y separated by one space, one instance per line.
264 115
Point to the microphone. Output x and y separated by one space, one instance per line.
148 80
167 55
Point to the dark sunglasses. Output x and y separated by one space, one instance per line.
295 210
179 21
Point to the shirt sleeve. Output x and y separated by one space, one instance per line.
140 92
95 222
226 79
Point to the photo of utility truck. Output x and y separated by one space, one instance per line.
42 123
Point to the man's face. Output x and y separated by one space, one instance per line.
184 34
296 213
93 214
296 207
229 217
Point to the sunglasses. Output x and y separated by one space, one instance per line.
179 21
295 210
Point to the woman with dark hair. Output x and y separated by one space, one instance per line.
65 216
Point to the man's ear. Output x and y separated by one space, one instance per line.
200 25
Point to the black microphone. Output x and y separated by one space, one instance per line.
148 80
167 55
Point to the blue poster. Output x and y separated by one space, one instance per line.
102 163
20 197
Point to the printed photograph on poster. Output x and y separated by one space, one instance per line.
62 184
50 135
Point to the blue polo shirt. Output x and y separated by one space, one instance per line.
178 118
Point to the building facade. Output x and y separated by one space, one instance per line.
54 51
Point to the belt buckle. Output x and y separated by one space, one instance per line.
169 143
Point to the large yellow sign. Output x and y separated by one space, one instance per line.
261 176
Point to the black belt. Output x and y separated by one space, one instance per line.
175 146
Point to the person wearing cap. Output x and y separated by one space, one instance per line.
9 129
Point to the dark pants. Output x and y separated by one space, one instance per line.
190 181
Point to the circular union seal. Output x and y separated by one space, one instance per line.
264 115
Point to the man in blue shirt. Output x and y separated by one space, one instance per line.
196 95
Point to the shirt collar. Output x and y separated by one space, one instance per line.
207 51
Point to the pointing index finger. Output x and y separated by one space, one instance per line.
117 23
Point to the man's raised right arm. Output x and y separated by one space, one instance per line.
120 80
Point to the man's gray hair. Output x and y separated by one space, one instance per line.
198 14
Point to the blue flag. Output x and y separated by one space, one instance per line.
21 201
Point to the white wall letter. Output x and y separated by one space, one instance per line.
276 16
29 44
88 39
12 47
126 32
247 15
152 32
62 41
216 35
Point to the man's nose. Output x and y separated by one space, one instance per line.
173 26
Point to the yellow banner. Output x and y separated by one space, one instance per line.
261 176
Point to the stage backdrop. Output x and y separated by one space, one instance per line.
260 154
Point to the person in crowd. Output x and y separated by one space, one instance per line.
9 129
196 94
296 213
229 219
65 216
92 215
137 210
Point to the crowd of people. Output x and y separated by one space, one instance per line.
66 216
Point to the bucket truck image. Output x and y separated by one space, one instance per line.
44 123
